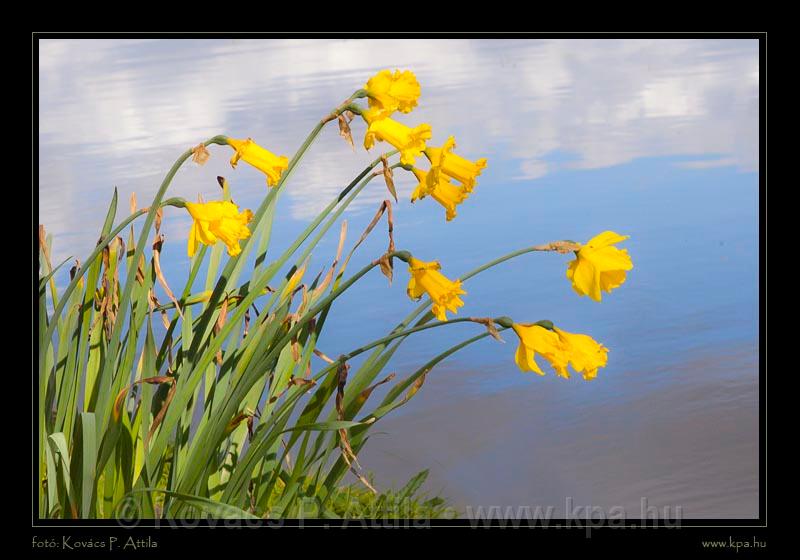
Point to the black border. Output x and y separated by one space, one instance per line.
691 531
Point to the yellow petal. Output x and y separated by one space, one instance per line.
426 279
605 239
263 160
398 91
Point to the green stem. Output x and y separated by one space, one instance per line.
199 362
395 334
82 269
114 342
474 272
365 177
389 338
504 258
259 216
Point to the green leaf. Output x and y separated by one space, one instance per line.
325 426
88 462
413 485
214 509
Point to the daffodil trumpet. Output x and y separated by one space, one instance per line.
409 141
558 347
453 165
425 278
262 159
439 187
392 91
217 220
599 266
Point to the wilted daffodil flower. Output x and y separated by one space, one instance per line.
560 348
438 186
455 166
218 220
410 141
599 265
263 160
426 278
393 91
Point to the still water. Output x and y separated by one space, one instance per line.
650 138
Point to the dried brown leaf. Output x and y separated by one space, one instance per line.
140 271
364 480
295 349
420 381
159 242
345 132
490 325
387 269
221 318
159 217
200 154
238 419
388 177
74 270
246 323
298 381
156 380
365 394
321 355
344 368
161 413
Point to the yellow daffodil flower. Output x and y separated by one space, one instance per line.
410 141
599 265
426 278
455 166
439 187
586 355
561 349
393 91
535 339
263 160
218 220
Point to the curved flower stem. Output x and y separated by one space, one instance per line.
351 191
233 265
554 246
352 354
120 323
427 317
557 246
341 108
198 361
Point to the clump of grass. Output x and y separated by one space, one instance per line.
354 501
